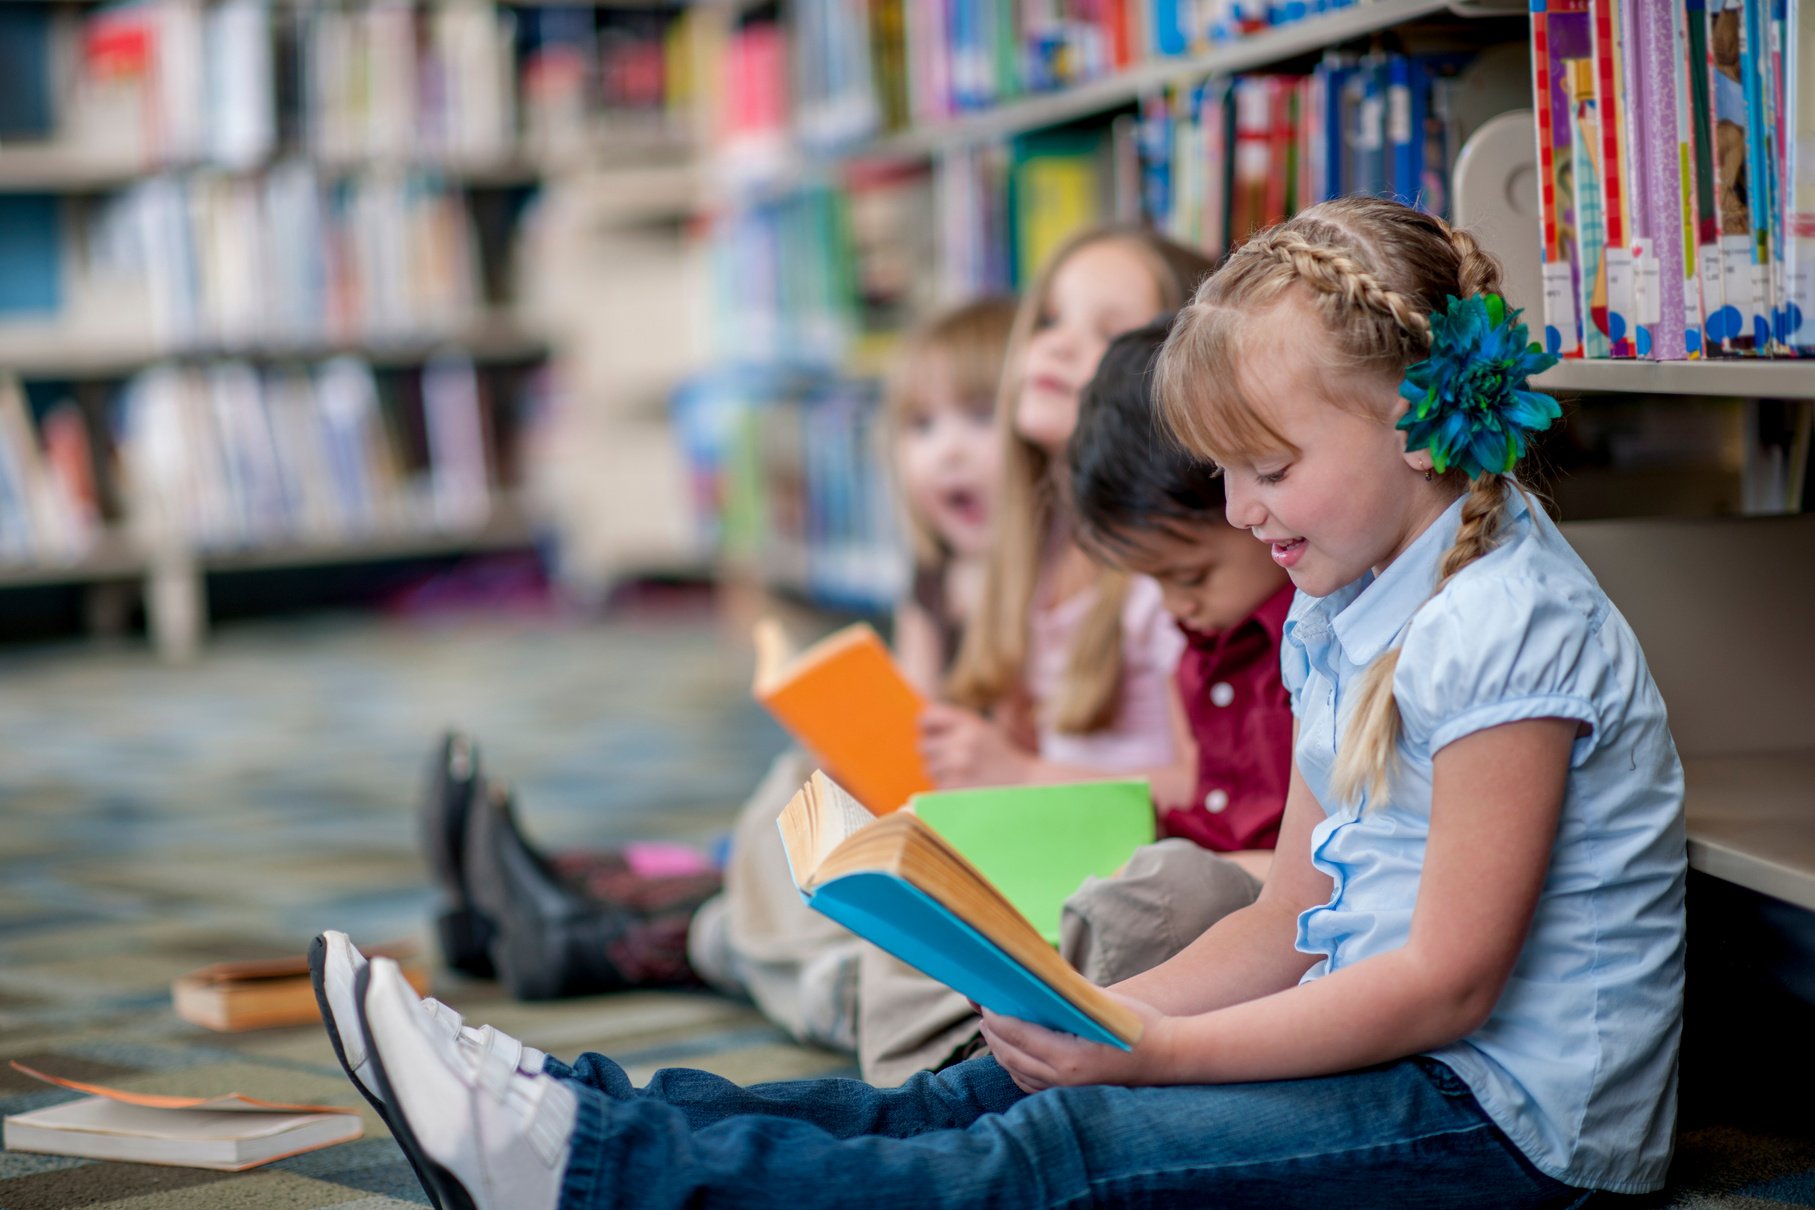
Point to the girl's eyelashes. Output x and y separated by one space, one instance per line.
1191 579
1271 477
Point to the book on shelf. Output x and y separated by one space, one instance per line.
230 997
1799 180
49 510
895 882
1222 158
1660 170
33 286
1676 156
232 456
1559 36
1617 271
235 83
228 1133
1059 184
846 701
28 65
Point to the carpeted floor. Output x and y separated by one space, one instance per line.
153 820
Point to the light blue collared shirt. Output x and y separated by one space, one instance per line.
1577 1064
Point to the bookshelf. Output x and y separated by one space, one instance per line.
447 146
1751 806
1122 89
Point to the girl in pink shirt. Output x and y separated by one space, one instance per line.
1064 670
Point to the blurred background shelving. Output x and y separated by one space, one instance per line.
465 220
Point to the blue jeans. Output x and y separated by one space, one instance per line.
1404 1135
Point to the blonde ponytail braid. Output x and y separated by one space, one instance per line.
1366 757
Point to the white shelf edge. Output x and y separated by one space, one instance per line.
115 557
36 169
1760 379
46 353
1750 819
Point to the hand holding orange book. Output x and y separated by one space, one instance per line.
845 700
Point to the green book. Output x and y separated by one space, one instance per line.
1037 844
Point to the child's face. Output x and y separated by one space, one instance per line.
950 459
1351 498
1100 291
1210 576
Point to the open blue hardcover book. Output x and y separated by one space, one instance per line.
898 884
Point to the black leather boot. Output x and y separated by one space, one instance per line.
548 938
454 784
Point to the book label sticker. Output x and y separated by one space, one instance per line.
1717 322
1743 288
1560 330
1622 299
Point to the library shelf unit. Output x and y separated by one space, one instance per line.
1121 89
635 164
1750 799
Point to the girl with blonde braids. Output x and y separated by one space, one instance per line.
1461 984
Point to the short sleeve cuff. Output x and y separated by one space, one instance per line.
1518 710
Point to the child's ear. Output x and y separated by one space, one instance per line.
1420 462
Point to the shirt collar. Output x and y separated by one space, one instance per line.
1269 617
1373 618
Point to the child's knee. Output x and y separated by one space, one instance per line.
1169 892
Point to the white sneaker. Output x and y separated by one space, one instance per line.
334 964
479 1130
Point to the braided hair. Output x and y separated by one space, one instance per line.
1373 271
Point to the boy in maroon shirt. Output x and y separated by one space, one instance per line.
1146 506
1143 505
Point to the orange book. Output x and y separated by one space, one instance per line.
847 703
262 993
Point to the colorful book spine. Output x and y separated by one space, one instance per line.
1719 321
1755 65
1742 285
1690 186
1618 274
1776 22
1661 333
1559 35
1799 181
1591 230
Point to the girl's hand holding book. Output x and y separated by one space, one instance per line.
962 748
1038 1058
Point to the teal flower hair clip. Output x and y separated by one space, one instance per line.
1470 407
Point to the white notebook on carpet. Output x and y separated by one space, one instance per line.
230 1133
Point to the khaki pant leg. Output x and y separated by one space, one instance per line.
1167 895
906 1022
757 937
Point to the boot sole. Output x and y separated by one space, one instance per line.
444 1188
318 969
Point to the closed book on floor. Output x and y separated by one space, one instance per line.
230 1133
897 883
845 700
261 994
